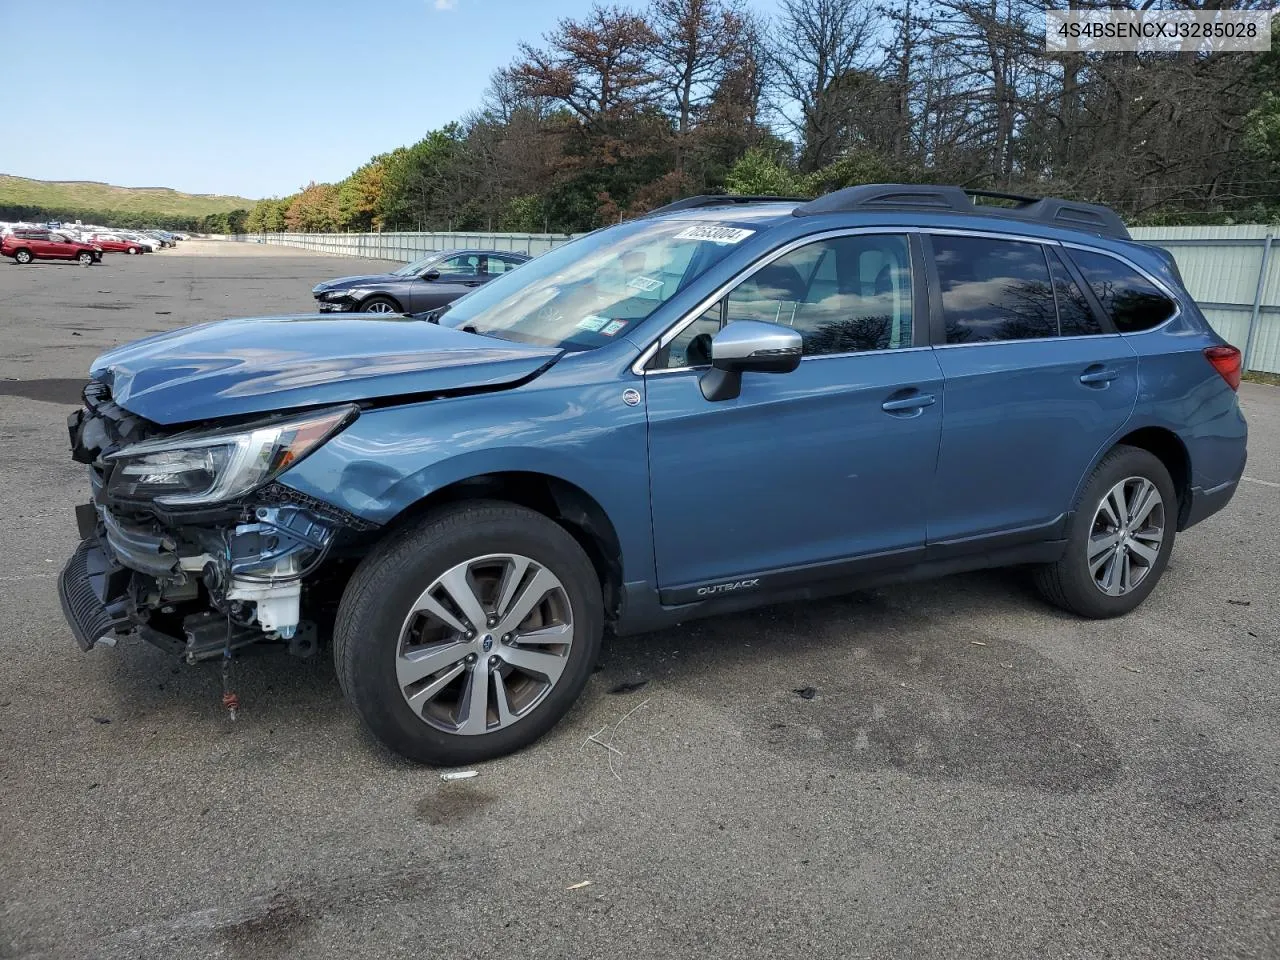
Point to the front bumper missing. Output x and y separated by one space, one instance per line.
94 597
97 602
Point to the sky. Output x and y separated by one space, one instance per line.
253 99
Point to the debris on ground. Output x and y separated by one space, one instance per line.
1130 669
607 744
459 775
101 719
805 693
977 643
1241 603
579 886
630 687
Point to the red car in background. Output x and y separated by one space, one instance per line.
39 244
113 244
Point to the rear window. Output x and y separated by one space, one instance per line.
1132 301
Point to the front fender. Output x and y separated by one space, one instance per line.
391 458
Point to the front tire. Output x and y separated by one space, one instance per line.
22 256
132 251
380 305
85 258
1120 538
469 635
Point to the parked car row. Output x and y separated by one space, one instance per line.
26 242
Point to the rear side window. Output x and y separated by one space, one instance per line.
1131 300
994 289
1075 317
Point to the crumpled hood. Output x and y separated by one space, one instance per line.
265 364
346 283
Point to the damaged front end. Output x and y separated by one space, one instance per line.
188 542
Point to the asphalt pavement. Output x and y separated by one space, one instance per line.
965 772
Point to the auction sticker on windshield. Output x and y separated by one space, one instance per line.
713 234
592 322
612 327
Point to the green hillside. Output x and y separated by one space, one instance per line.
20 197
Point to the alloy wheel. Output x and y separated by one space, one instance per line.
379 306
484 644
1124 541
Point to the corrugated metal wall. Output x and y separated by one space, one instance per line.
1223 268
1234 275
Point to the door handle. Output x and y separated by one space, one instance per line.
914 402
1098 375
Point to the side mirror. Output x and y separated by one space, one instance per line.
749 346
432 274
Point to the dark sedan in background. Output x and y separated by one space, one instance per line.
433 281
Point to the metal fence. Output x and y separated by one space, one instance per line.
410 246
1231 271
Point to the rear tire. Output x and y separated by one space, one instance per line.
1120 538
398 613
22 256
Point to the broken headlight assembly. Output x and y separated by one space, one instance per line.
200 468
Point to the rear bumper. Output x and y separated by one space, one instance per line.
1206 502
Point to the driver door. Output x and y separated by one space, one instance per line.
456 275
828 467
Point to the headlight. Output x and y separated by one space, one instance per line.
203 468
341 294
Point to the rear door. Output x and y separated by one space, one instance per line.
39 244
826 467
1036 384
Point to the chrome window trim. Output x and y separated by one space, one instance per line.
1142 272
993 343
816 356
673 331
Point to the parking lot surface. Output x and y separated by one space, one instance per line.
972 773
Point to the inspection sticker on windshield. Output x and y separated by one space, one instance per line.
713 234
592 322
612 327
647 284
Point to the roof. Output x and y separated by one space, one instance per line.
923 201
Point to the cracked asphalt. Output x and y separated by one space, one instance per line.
975 775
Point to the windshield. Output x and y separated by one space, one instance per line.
415 268
584 294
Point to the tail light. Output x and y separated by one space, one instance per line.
1227 361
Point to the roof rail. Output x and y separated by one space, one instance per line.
722 200
1050 211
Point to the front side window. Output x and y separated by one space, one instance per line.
464 265
844 295
587 293
994 289
1131 300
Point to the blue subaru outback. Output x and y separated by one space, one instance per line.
732 401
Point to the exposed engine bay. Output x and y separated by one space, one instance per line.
197 579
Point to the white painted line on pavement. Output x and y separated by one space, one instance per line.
1265 483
